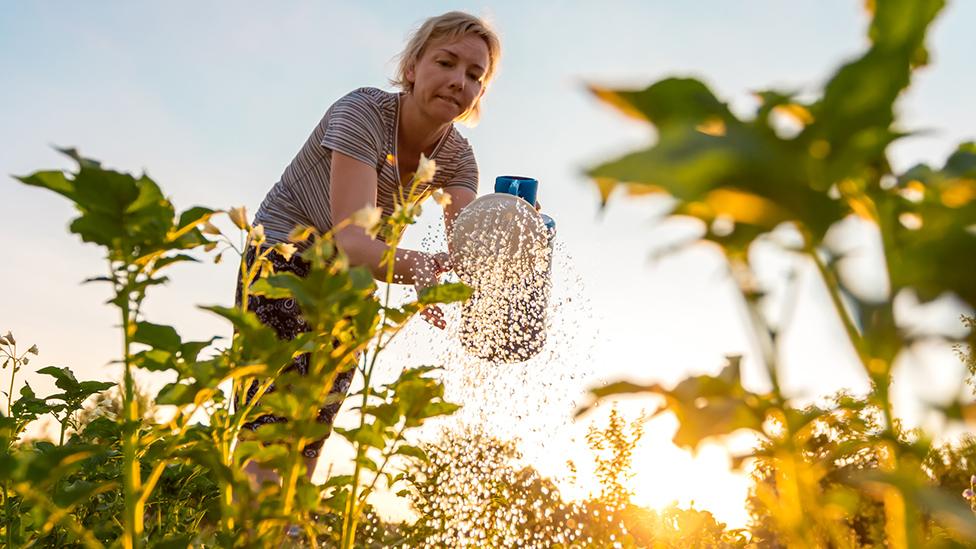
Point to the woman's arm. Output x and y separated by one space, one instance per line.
353 187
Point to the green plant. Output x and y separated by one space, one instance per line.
613 448
743 179
198 466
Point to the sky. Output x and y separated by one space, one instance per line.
213 99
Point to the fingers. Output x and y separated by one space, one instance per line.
443 262
435 316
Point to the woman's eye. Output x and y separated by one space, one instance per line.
444 63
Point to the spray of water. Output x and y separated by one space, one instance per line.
517 357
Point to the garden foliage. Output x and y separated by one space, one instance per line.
804 166
176 477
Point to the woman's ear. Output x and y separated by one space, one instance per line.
410 74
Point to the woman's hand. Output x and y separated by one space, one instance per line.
442 262
426 276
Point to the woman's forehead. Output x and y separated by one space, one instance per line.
470 47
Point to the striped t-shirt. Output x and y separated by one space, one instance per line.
363 125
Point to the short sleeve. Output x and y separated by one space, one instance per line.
355 128
465 170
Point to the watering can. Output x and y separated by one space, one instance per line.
502 248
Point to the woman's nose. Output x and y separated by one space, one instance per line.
457 81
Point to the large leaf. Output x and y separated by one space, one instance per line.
127 215
705 406
670 101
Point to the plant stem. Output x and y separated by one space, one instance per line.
833 289
13 374
386 459
8 516
133 521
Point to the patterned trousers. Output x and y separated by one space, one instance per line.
285 317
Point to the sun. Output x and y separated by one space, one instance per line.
665 474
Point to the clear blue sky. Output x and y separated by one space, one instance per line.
214 98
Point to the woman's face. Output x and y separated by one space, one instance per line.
448 78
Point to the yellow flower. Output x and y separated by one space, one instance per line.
286 250
426 169
239 217
441 197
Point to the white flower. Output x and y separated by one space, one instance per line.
368 218
441 198
286 250
257 235
426 169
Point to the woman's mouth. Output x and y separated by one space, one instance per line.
449 100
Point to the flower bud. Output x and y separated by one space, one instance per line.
301 233
3 340
32 350
968 493
257 235
210 228
10 339
425 169
239 217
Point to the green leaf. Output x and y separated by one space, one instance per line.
157 336
271 289
412 451
183 541
52 180
367 434
669 101
177 258
194 216
28 406
64 378
339 480
445 293
176 394
72 153
621 388
72 493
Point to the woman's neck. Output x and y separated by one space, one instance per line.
417 133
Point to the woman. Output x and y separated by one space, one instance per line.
366 146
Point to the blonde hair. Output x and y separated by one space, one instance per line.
447 27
